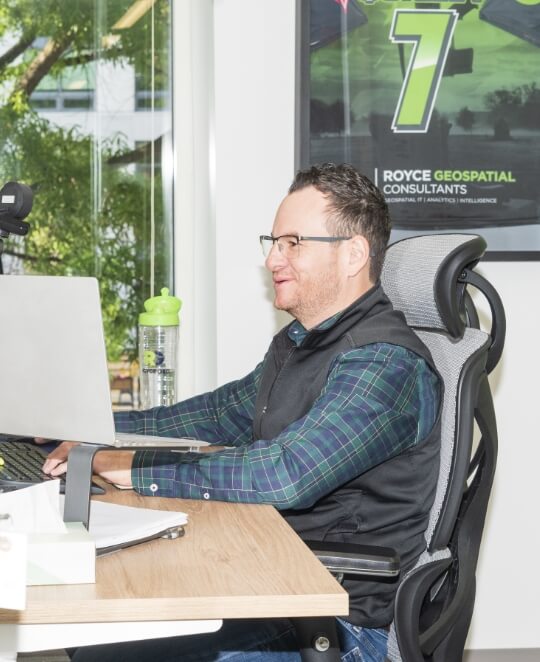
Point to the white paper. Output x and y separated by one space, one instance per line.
13 555
111 524
32 509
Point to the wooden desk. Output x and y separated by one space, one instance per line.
235 561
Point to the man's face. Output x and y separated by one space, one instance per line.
312 286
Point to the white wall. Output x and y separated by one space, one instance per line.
254 88
506 612
254 97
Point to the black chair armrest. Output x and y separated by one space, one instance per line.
348 558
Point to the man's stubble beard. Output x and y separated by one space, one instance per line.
316 296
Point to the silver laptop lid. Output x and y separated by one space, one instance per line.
53 376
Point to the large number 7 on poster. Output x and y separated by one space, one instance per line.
431 32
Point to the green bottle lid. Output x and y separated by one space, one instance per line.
161 310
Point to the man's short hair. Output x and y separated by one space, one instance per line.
356 206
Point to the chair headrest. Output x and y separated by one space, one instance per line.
420 277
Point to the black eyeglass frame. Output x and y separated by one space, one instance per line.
329 240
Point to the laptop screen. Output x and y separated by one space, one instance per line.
54 380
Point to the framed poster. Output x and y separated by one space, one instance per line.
438 103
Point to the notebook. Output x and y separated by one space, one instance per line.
54 380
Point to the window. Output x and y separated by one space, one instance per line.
71 90
150 89
95 148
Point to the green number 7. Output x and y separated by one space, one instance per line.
431 32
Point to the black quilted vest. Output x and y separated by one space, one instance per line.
387 505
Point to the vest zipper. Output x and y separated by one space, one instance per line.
265 407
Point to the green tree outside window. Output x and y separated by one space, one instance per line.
100 208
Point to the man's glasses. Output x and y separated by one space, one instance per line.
289 244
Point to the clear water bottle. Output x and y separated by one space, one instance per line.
158 340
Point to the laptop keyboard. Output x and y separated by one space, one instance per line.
21 466
22 462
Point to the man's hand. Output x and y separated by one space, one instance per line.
113 466
56 462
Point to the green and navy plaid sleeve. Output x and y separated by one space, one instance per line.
378 401
223 416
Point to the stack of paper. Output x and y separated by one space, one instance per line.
114 527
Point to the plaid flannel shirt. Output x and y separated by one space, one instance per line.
378 401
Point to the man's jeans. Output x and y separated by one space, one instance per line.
271 640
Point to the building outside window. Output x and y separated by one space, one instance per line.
86 121
71 89
152 87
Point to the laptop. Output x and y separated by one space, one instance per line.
54 380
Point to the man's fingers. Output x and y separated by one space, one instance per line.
58 470
51 466
56 462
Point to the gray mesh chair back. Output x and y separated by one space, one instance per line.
426 277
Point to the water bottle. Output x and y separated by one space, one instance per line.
158 339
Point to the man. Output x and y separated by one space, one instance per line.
337 428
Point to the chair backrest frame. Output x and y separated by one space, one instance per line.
446 571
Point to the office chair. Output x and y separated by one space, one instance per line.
426 277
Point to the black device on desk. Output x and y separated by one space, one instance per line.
21 462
